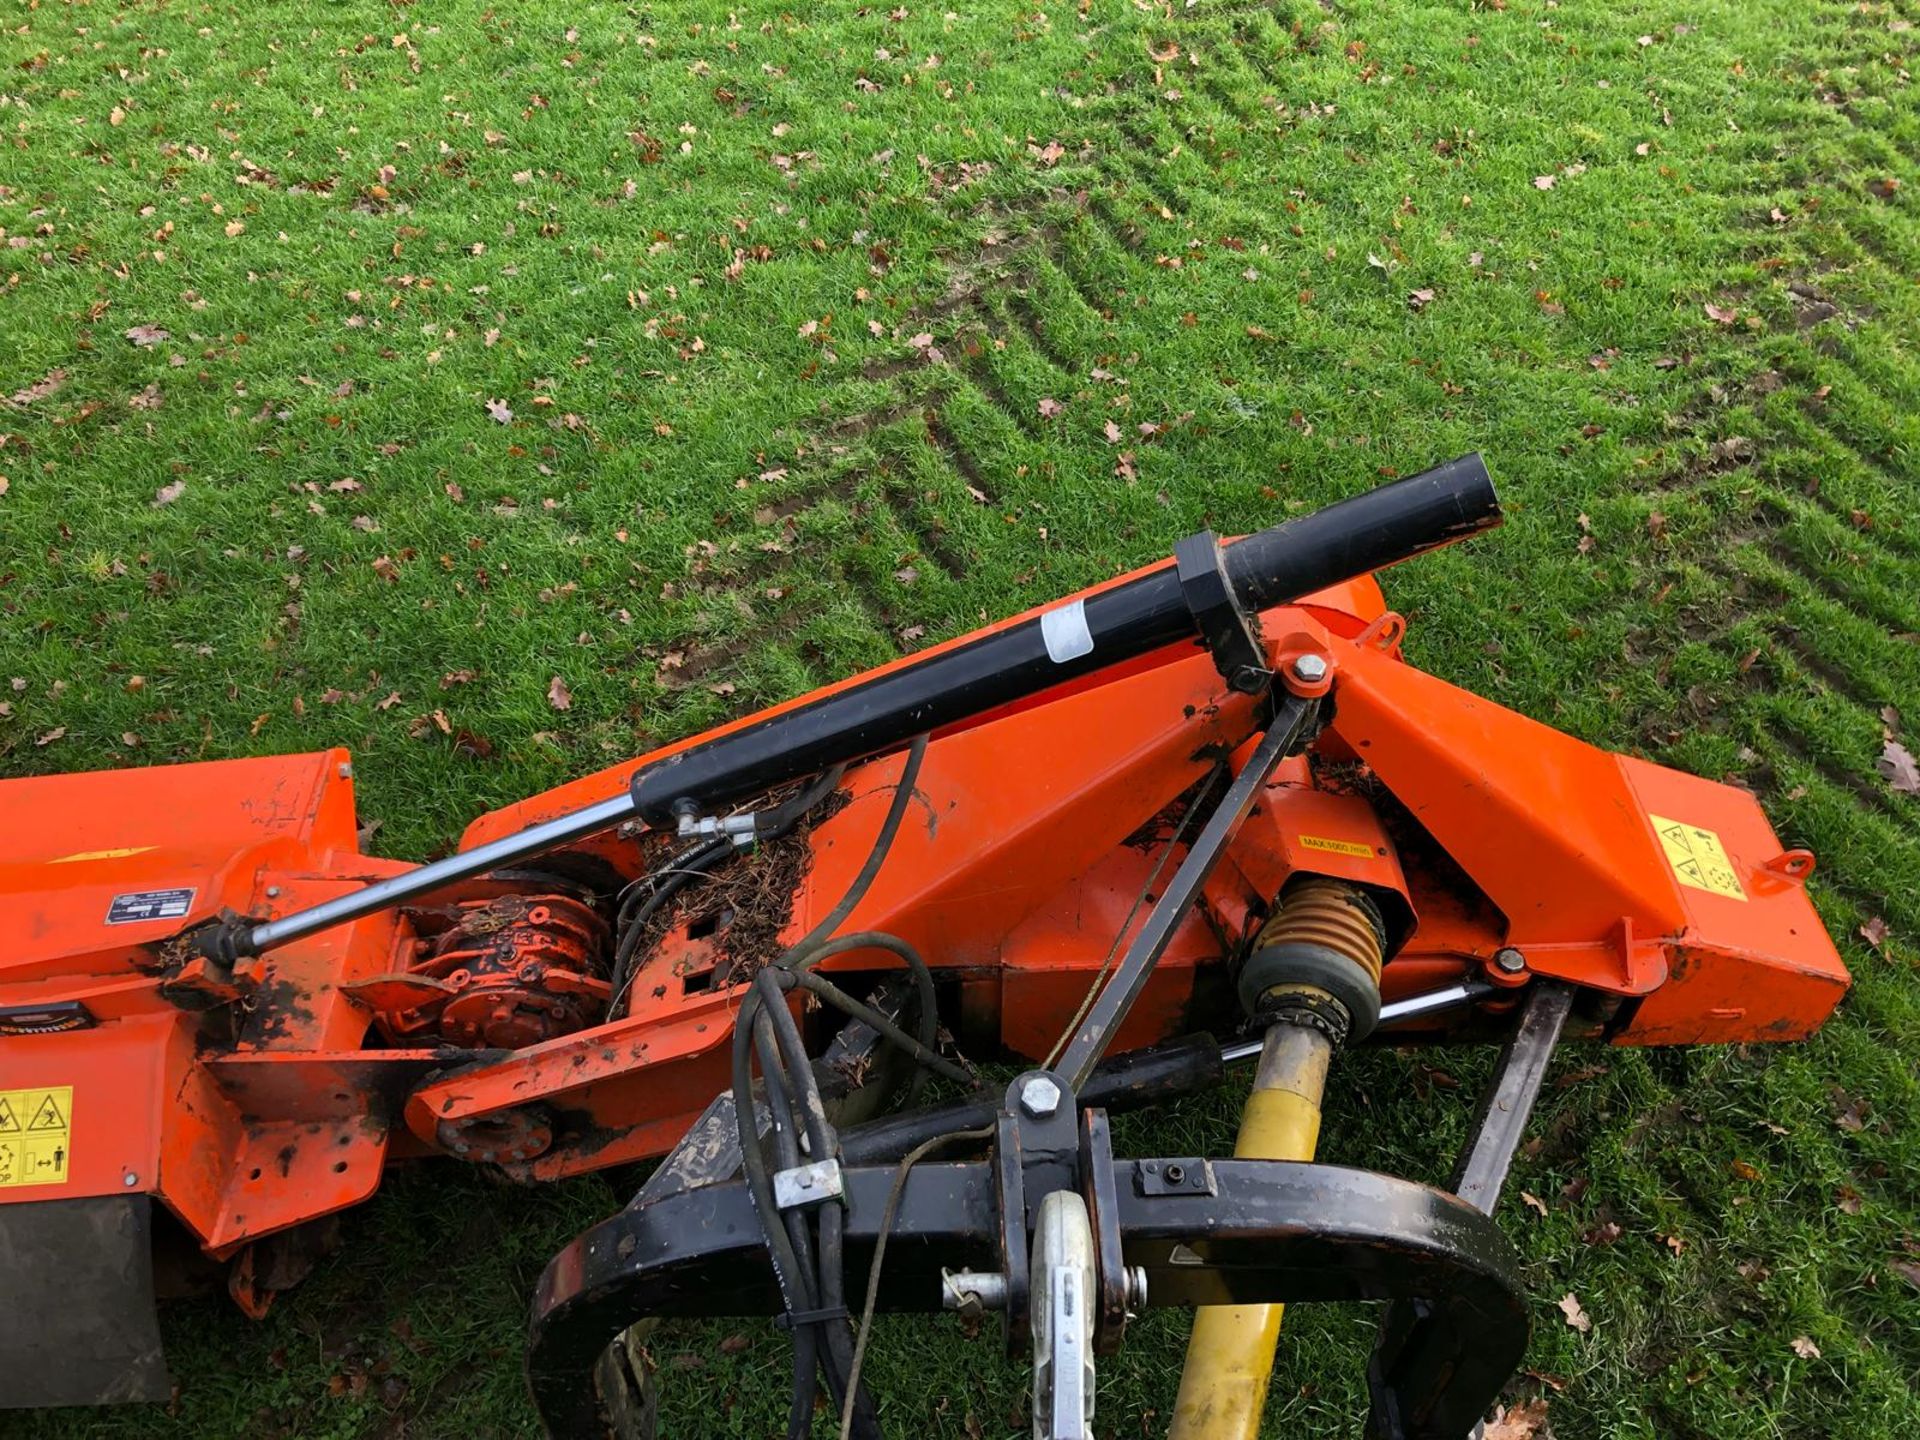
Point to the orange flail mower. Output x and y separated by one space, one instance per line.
1206 799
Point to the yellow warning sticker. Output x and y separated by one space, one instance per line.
36 1136
1337 847
1698 858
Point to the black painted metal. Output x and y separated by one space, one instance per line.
1125 1082
950 687
1291 723
1508 1103
1103 1215
1273 1231
1223 623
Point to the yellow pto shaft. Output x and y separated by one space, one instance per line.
1223 1387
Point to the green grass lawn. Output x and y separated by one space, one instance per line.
371 367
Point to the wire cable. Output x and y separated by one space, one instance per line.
882 844
908 1161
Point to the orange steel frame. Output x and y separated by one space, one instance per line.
1029 835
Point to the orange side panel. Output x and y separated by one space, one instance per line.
1545 824
1754 961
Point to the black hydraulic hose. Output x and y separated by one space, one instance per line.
813 1284
927 1018
822 1145
793 1283
696 860
787 1151
783 817
861 1011
678 874
882 844
957 684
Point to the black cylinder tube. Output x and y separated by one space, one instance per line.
1341 542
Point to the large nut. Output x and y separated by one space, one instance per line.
1039 1097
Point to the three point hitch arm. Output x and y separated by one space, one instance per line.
1210 797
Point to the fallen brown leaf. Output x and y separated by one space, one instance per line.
41 388
558 695
1874 932
169 493
148 335
1576 1317
1525 1421
1898 768
1804 1347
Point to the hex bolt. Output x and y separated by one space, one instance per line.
346 770
129 1179
1509 960
1039 1097
273 892
1310 668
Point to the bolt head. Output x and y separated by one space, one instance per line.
1040 1097
1510 960
1310 668
129 1179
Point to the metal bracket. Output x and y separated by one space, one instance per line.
807 1184
1174 1177
1227 628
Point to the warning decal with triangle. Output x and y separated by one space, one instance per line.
36 1133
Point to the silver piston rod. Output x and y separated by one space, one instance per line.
399 889
1394 1012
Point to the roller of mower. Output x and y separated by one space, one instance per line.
219 1021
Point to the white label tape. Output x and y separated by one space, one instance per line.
1066 633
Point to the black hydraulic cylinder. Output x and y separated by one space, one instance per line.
949 687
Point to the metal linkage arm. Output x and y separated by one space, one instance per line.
1403 1350
1292 725
1508 1104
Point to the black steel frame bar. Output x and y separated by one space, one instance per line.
1265 1230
